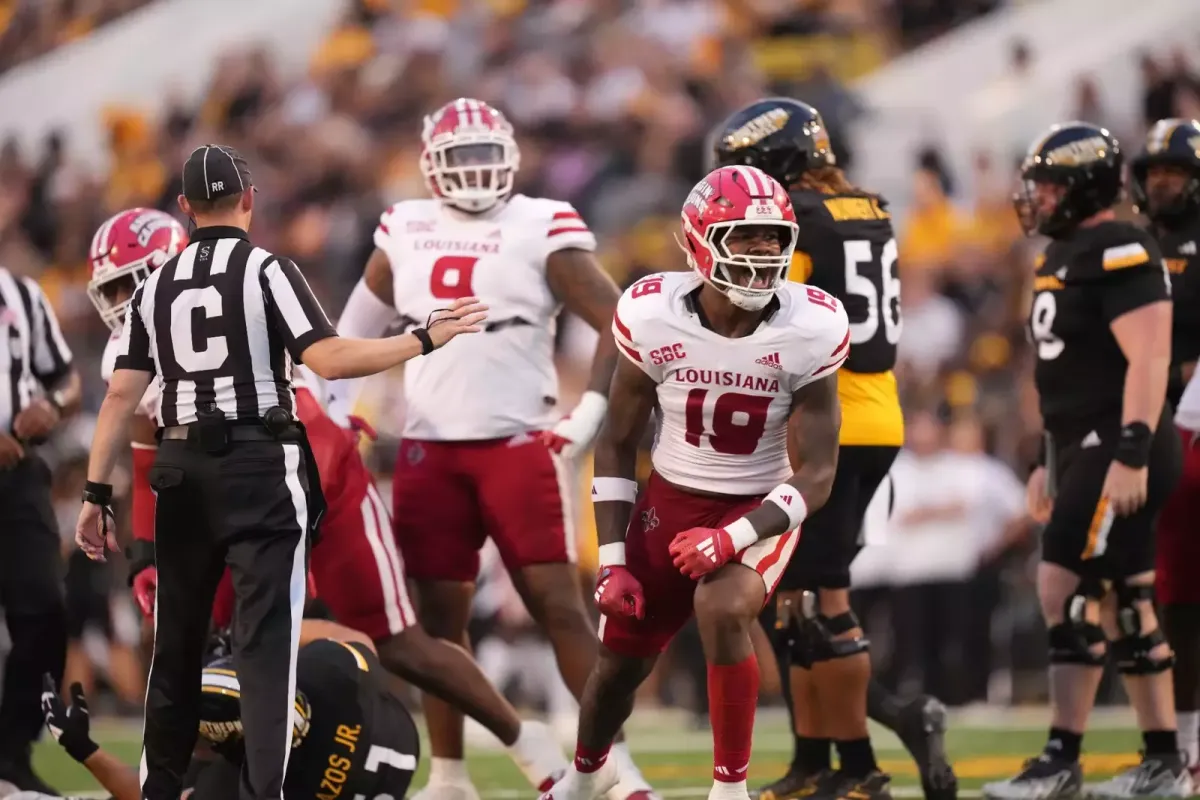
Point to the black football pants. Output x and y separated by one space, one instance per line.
246 509
31 599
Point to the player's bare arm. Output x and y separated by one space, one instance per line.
378 276
587 291
1144 336
813 430
630 403
614 487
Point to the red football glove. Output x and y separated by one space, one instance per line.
700 551
145 586
619 594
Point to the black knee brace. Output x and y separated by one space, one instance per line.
1071 641
815 640
1132 649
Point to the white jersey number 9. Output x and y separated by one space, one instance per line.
887 295
1041 322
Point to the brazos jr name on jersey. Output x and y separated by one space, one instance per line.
724 404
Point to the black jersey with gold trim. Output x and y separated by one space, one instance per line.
352 735
1181 255
1087 279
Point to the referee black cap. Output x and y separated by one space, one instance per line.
214 171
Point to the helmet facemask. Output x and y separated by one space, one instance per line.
103 290
471 171
748 280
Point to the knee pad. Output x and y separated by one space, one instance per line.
816 641
1072 640
1132 649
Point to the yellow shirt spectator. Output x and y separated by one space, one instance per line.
934 229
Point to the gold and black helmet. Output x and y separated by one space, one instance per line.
1086 160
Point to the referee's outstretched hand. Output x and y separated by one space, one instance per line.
463 316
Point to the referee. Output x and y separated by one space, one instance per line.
220 325
38 387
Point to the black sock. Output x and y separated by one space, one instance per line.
856 757
883 706
812 755
1064 744
1160 743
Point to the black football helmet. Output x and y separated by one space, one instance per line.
221 706
783 137
1083 158
1171 142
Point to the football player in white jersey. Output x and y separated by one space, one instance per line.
482 451
741 365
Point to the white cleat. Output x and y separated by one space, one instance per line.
631 784
538 755
576 785
447 790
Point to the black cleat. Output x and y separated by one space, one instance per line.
1042 778
875 786
796 785
922 731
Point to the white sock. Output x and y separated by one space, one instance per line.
1189 735
631 777
728 791
448 770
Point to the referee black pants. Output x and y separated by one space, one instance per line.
246 509
32 605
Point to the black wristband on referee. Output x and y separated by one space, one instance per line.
1133 450
425 339
99 494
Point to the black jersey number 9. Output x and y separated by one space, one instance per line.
886 295
1041 324
195 354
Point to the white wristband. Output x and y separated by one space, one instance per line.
741 533
791 502
612 554
620 490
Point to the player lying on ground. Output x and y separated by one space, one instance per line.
355 564
483 455
741 365
1101 329
845 246
351 735
1165 183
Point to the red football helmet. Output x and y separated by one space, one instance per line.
470 157
727 199
128 247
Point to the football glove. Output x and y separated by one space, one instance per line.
145 587
619 594
574 433
701 551
69 725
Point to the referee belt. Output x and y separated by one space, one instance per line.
236 431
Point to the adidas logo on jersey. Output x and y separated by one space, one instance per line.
770 361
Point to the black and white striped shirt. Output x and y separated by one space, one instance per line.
34 357
221 325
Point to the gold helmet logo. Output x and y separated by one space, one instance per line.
758 128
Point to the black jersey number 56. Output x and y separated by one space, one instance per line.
872 300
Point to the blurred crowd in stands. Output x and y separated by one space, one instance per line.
612 102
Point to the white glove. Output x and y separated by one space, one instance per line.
573 434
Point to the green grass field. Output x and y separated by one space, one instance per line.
676 759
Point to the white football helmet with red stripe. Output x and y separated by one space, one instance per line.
125 250
469 156
730 198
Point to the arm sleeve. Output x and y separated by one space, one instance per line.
51 355
295 311
566 230
142 506
133 348
629 329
